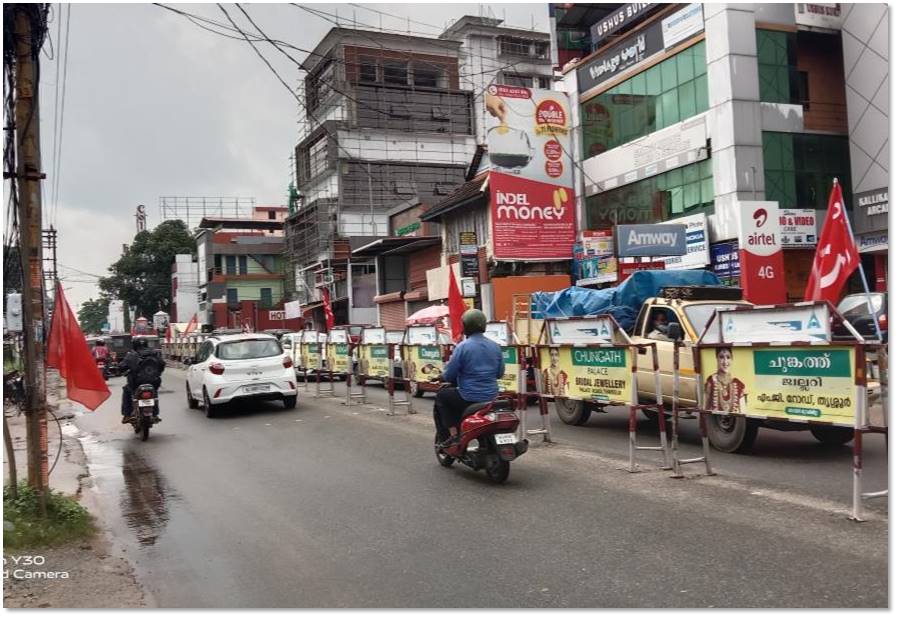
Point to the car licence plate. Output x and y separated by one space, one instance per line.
146 402
259 388
505 438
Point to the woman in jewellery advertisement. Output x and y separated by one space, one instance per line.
722 391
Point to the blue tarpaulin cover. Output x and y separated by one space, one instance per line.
623 301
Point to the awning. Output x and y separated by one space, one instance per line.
401 245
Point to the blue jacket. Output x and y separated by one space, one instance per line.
476 364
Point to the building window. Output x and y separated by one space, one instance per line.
514 79
777 66
266 298
272 216
218 264
230 262
395 73
667 93
316 157
544 83
367 69
244 269
686 190
429 76
393 274
232 298
319 85
404 187
799 168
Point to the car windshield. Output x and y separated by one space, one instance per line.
854 306
699 314
248 349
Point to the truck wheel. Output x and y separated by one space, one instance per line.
572 412
650 414
832 435
731 434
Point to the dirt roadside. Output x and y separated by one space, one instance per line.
85 574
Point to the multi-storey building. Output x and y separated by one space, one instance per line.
697 109
385 120
184 289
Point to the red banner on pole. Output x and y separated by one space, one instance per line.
328 309
836 254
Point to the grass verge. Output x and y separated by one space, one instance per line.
66 519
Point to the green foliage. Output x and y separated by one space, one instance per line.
142 276
66 519
92 315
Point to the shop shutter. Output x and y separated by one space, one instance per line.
418 264
392 315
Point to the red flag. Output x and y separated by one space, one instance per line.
191 325
328 310
168 334
68 352
836 254
456 307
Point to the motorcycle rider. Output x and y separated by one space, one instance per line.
100 351
476 366
142 365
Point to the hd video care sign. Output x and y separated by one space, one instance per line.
602 374
794 382
533 210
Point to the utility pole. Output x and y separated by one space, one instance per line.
28 177
51 275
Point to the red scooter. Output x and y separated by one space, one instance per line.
488 440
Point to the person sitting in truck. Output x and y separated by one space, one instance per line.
660 325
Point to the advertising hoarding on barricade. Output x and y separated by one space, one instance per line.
423 353
514 356
590 362
373 355
780 363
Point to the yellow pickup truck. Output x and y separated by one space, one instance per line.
691 309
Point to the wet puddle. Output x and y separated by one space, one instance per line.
130 490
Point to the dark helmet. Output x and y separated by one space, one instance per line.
138 344
473 320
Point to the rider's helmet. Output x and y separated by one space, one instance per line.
138 343
473 320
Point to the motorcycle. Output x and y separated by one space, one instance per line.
488 440
142 416
101 366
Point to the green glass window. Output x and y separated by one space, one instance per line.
667 93
799 168
686 190
777 66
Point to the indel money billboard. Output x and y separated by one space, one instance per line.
531 180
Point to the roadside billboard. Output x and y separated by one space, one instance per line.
804 383
591 374
533 210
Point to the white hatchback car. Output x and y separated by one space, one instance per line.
237 367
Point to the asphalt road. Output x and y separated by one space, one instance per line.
335 506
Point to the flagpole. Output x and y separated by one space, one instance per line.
862 274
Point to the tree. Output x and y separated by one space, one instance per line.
92 315
142 276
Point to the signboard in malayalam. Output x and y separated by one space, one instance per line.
601 374
310 354
510 381
798 228
697 244
804 383
641 45
651 240
374 360
338 357
533 211
580 330
796 324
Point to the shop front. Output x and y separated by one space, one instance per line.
870 226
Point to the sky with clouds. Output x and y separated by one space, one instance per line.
156 106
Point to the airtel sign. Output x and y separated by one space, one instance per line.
760 252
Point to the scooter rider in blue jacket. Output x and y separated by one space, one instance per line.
476 366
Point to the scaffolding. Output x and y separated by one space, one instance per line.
192 210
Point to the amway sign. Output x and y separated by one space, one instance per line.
650 240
